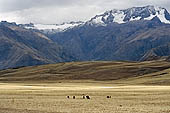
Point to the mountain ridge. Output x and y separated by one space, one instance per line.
118 16
21 47
114 41
132 14
129 41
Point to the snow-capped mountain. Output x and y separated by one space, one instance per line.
52 27
113 16
132 14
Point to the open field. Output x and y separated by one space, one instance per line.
51 98
135 87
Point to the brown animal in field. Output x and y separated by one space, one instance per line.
68 96
84 96
74 97
88 97
109 97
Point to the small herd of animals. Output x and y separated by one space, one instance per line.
85 97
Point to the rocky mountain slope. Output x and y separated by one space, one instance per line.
105 38
22 47
134 34
160 52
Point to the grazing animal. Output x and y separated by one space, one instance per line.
88 97
74 97
68 96
84 97
109 97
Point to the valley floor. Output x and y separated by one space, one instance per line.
52 98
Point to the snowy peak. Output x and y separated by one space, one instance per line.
52 27
132 14
113 16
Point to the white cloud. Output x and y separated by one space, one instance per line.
58 11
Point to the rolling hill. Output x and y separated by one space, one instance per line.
149 72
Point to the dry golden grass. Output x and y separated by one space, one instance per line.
51 98
135 87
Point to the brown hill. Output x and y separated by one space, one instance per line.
143 72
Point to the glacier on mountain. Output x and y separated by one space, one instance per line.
132 14
113 16
53 27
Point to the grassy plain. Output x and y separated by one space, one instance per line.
51 98
135 88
